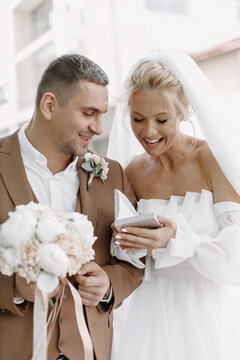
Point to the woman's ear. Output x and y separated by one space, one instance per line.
47 105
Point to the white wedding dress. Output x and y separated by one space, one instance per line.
190 310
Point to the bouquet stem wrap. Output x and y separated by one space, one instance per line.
40 338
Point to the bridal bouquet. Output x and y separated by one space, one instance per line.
43 245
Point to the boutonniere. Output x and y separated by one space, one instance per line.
95 166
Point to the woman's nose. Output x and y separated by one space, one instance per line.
150 130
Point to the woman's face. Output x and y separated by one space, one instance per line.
153 121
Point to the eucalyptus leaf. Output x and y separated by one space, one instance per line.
87 166
96 173
98 168
92 163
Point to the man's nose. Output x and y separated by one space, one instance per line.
96 125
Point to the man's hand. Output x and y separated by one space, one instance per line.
93 283
27 290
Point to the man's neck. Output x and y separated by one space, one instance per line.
56 160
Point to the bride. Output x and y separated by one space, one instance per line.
190 309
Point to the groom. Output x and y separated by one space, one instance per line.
42 162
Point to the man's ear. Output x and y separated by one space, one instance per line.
47 105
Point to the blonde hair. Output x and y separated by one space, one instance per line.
154 76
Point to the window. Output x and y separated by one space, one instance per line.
168 6
42 18
3 94
33 66
41 59
100 145
238 9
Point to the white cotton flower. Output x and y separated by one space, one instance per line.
87 156
32 207
49 228
104 165
83 230
96 158
79 221
18 229
47 282
52 259
9 260
103 176
40 243
105 169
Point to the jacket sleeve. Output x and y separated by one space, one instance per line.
7 296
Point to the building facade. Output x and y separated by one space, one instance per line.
114 33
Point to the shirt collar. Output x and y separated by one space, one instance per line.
32 156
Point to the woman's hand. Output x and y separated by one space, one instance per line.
136 238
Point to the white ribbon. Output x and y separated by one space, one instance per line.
40 324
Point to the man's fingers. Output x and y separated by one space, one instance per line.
89 281
90 299
88 268
90 290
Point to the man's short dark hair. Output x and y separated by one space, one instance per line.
63 74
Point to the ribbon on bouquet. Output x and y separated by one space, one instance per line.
42 329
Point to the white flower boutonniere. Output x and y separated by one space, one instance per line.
95 166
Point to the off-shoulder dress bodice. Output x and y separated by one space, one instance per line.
190 310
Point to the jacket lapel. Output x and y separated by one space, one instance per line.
15 179
13 172
88 200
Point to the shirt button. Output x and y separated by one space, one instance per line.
62 343
64 296
63 320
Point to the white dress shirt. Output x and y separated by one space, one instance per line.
58 191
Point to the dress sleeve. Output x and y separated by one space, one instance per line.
215 258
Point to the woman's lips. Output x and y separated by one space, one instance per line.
152 142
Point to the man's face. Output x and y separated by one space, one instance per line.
75 124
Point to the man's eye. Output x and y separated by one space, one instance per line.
162 121
87 114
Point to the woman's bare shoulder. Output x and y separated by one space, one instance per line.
135 166
205 155
218 183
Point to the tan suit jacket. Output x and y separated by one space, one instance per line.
16 323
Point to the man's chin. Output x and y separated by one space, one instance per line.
81 152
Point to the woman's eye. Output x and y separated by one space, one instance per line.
137 120
162 121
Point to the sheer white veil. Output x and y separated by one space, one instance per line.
219 132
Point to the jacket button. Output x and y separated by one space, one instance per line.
63 320
62 343
64 296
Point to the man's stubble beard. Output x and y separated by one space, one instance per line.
70 148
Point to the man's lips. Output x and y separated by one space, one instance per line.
85 138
